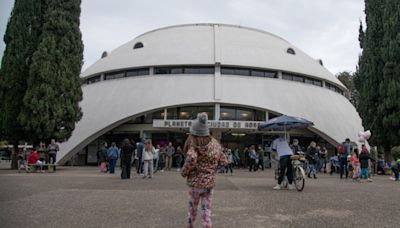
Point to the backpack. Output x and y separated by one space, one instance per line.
341 149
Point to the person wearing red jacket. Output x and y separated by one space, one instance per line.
34 159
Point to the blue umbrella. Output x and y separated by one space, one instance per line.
285 123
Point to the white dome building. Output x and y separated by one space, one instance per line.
153 85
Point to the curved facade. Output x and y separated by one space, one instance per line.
210 64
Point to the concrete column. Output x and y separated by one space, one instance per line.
151 71
165 114
102 77
217 82
280 74
217 60
217 111
266 115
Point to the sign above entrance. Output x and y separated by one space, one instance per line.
230 124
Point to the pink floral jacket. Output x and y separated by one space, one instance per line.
201 164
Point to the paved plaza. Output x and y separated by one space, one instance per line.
83 197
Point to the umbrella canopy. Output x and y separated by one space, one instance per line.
283 123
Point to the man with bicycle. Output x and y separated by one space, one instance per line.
281 146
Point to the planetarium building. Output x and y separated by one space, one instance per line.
152 86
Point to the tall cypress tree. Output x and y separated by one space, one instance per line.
21 39
51 102
378 73
389 88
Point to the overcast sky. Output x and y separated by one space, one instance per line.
325 29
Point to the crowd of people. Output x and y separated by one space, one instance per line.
38 156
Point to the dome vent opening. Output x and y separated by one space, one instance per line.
320 62
290 51
105 54
138 45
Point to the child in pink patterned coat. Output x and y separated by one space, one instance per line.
204 156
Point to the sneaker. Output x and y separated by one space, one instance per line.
290 187
369 180
277 187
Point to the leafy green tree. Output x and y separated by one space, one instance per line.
21 39
378 75
51 102
347 79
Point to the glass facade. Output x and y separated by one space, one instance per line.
242 114
185 70
248 72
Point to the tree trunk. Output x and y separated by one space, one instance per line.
14 156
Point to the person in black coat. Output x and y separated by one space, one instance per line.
126 159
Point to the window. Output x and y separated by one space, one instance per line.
290 51
162 70
137 72
259 115
177 70
114 75
225 70
227 113
257 73
245 115
138 45
298 78
269 74
93 79
235 71
185 70
199 70
287 77
241 114
190 112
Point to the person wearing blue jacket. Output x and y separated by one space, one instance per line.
112 155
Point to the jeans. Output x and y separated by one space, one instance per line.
52 158
155 164
285 163
195 196
252 165
260 164
139 167
343 167
364 173
229 167
148 164
126 168
111 165
313 170
396 173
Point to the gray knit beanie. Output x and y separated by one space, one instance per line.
199 126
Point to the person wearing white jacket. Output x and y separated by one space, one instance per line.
148 155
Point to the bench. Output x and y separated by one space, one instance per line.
387 171
51 168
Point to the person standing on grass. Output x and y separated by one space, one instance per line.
203 156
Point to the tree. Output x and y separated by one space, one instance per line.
377 78
21 39
389 88
347 79
51 102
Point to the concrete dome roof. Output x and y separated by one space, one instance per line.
208 44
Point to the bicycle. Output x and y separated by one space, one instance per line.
298 173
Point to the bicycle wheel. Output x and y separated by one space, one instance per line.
299 180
